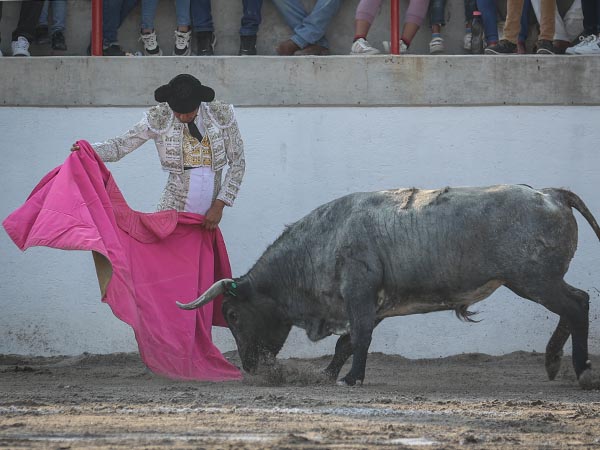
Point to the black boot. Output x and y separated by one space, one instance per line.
247 45
58 41
206 43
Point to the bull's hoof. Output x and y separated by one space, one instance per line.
349 381
553 364
589 379
329 375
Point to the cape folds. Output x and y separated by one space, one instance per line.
144 262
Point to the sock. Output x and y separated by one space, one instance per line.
406 41
467 30
435 35
358 36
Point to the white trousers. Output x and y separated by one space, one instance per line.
202 188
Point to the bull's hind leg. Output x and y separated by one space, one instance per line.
554 349
572 305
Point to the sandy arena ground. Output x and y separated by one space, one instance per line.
467 401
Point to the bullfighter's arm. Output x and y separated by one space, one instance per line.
237 164
116 148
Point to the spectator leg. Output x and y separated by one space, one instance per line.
309 28
59 15
512 26
183 15
546 19
28 17
489 16
148 14
251 17
201 15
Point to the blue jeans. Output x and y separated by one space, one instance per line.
251 16
114 13
59 13
524 20
489 15
309 28
436 11
182 12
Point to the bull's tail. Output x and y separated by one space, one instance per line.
574 201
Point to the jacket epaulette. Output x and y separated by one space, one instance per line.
159 118
221 113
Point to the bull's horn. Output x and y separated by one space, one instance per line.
212 292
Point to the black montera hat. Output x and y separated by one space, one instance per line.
184 93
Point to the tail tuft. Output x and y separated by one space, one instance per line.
462 313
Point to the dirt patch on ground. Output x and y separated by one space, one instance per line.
472 400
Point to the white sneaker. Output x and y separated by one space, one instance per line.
584 42
20 47
151 47
592 47
467 42
436 46
403 47
182 43
362 47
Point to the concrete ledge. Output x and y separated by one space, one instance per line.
308 81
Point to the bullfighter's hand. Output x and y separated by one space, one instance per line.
75 148
213 215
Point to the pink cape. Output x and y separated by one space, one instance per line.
145 262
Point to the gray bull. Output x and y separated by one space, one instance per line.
361 258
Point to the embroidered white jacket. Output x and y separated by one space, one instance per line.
159 123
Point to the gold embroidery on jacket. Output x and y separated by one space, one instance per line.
196 154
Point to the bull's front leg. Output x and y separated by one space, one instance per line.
360 299
361 274
343 351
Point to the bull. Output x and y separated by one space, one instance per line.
363 257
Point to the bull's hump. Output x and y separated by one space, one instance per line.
413 198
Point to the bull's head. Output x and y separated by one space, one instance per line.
256 322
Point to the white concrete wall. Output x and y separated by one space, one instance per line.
297 159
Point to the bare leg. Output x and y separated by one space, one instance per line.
409 31
361 27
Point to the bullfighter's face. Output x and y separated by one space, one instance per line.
186 117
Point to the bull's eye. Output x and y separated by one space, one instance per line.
232 317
